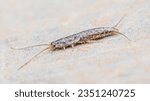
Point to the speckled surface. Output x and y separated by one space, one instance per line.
110 60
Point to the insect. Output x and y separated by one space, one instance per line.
76 39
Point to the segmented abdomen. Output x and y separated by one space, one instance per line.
81 36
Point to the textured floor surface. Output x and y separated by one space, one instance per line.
110 60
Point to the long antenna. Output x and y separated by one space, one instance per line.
119 21
33 58
29 47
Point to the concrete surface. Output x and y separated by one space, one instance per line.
110 60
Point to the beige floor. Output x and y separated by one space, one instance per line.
110 60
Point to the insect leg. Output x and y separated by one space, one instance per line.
64 48
72 45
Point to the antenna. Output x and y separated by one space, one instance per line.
33 58
29 47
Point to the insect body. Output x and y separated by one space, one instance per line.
78 38
84 37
